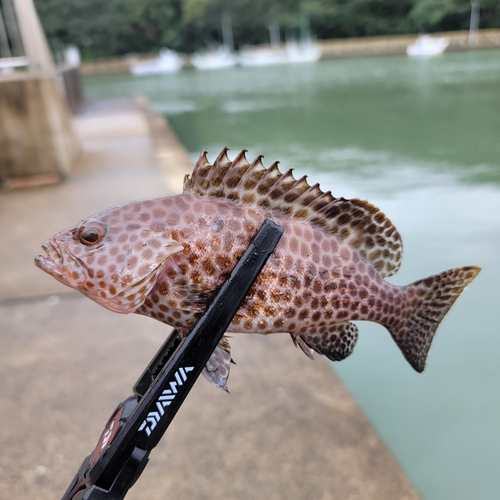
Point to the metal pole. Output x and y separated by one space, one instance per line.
474 22
12 28
4 41
227 31
35 45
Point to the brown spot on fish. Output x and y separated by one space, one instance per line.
294 245
223 261
328 314
316 316
317 286
269 311
208 267
159 213
196 277
147 254
144 269
303 314
249 198
275 295
294 282
278 323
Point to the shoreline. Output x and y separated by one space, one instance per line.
336 49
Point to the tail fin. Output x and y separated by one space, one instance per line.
428 301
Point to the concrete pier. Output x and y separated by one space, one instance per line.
36 130
288 430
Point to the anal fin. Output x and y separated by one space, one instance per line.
216 370
336 343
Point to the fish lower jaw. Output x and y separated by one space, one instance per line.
49 266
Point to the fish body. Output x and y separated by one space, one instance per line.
166 257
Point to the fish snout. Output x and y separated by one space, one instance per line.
60 264
50 263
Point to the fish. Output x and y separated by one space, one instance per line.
166 257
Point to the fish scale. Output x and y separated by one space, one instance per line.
166 257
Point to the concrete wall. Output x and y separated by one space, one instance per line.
36 131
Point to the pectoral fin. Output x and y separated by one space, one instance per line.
216 371
336 343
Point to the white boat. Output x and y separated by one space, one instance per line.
290 53
218 58
168 61
426 45
307 51
262 56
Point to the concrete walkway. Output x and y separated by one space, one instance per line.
288 430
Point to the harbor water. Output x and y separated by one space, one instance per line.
420 138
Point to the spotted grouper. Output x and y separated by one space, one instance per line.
166 257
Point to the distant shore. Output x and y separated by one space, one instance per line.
339 48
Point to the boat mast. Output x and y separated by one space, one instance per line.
227 31
474 22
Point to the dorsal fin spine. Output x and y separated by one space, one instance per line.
240 157
200 169
222 156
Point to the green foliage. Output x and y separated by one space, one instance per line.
117 27
432 14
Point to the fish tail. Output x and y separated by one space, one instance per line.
427 302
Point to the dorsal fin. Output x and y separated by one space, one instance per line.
357 222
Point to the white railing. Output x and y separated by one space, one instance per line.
13 62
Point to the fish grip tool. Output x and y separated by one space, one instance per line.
139 422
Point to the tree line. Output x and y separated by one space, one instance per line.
117 27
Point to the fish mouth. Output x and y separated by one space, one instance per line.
52 262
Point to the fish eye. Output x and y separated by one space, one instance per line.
90 235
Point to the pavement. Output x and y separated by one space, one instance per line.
288 429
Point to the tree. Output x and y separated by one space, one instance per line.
116 27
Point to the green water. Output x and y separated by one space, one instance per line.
420 139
